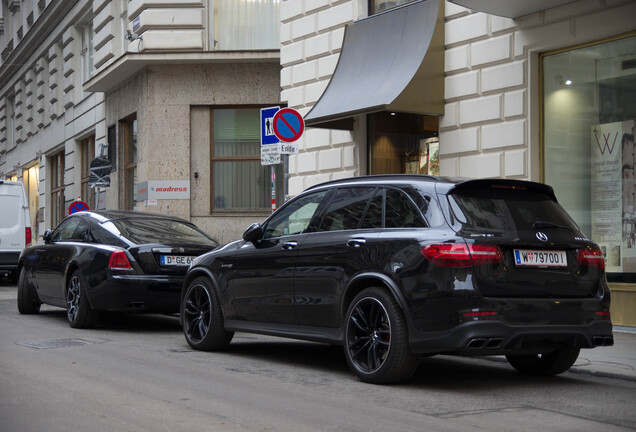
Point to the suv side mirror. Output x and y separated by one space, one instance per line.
253 233
47 236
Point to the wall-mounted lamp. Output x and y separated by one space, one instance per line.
132 36
568 82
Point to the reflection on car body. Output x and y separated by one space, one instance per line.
394 267
110 260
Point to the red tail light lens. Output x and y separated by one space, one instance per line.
27 236
119 260
459 255
591 257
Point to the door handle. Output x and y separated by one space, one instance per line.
356 242
290 245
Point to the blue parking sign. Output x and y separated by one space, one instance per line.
267 126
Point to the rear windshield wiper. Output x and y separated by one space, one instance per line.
546 224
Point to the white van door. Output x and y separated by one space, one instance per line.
15 225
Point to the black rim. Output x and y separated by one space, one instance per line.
73 298
197 312
368 335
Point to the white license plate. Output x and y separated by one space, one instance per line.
175 260
540 258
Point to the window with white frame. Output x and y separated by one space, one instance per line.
239 181
244 24
88 50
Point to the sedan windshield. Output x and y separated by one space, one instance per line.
157 230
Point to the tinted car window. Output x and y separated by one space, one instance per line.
155 230
428 206
373 216
101 235
82 231
401 212
65 229
507 210
346 208
295 217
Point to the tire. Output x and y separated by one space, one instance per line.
28 301
552 363
203 318
376 339
78 310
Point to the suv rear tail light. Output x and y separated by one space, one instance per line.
27 236
591 257
459 255
119 260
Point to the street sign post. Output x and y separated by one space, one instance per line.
280 128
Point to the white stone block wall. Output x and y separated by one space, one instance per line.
50 110
311 34
491 126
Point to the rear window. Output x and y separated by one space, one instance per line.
508 210
161 231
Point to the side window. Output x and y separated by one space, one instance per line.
346 208
82 231
401 212
373 216
295 217
428 206
102 236
65 230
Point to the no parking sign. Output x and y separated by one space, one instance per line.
77 206
288 125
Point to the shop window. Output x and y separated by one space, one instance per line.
377 6
87 154
403 144
245 25
56 174
129 164
31 180
239 181
589 122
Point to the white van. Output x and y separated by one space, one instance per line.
15 226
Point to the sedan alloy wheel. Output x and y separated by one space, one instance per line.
78 310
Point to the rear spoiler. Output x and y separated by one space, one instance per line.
483 184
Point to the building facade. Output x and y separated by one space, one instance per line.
539 91
168 92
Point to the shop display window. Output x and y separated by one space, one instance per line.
589 123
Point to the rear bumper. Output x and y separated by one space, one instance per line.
137 293
9 260
497 338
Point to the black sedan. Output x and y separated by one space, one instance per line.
110 260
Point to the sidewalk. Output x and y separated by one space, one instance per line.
617 361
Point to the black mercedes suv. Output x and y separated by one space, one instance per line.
399 266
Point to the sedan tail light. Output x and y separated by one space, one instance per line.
27 236
459 255
119 260
591 257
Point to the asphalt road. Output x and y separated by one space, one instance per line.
137 373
